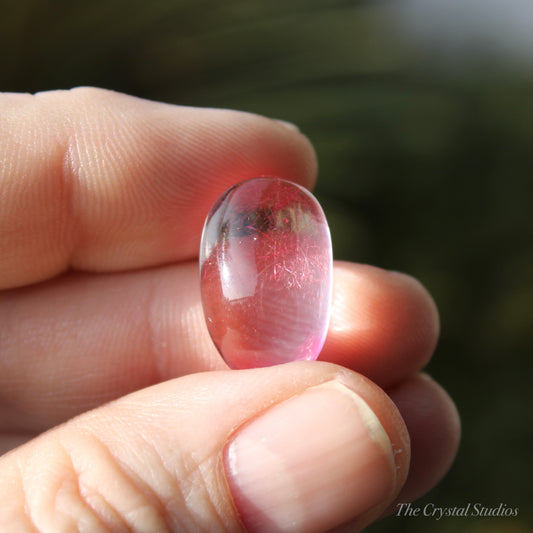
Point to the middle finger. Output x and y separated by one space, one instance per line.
78 341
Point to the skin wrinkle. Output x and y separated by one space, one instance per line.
159 472
59 172
132 143
79 172
222 488
80 492
162 501
70 183
101 157
200 476
102 459
25 507
47 188
33 499
184 479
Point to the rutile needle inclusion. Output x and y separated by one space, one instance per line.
266 273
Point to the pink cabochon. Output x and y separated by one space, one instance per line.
266 273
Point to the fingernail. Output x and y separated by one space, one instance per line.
310 463
288 125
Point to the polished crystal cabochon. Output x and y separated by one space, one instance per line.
266 273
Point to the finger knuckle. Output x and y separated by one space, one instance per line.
81 486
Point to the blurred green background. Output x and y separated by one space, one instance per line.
425 141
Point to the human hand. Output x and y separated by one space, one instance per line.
102 201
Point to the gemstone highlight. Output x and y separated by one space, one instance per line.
266 273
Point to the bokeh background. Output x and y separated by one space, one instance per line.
421 112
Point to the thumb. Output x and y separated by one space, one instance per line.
297 447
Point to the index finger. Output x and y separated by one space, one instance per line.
99 181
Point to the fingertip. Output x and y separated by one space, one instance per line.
422 302
336 451
434 425
304 145
384 324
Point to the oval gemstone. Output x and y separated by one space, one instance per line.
266 273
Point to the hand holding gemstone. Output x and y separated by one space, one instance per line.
297 447
266 273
